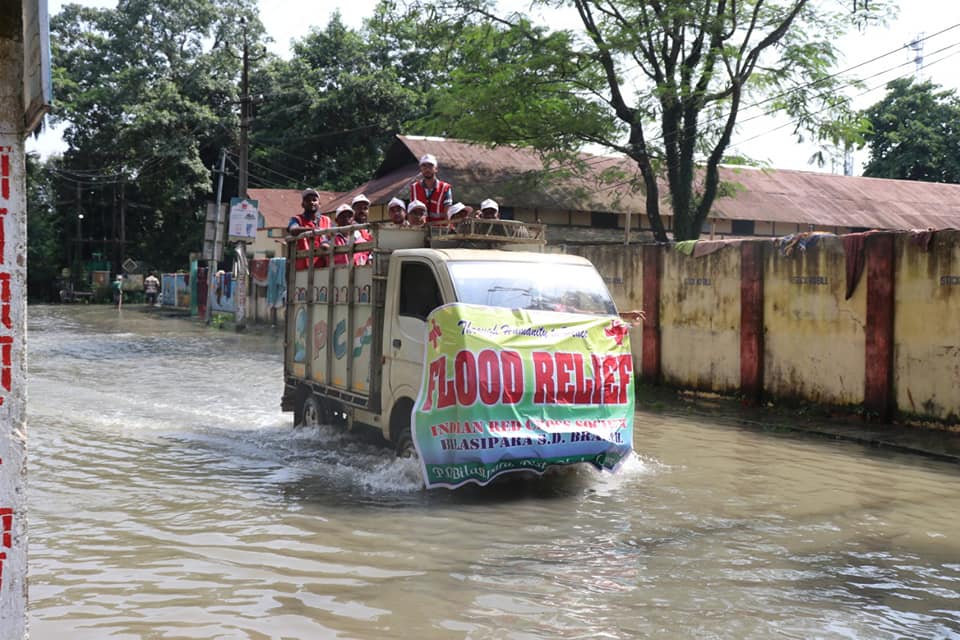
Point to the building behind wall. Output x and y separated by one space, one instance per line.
595 198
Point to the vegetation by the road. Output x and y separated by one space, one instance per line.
914 133
149 92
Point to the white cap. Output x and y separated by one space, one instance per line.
360 198
396 202
416 204
489 203
342 208
455 209
428 158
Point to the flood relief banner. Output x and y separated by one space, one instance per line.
509 390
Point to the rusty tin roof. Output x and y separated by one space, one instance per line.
517 177
277 206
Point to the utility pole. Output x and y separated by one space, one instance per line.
246 116
75 269
216 248
123 217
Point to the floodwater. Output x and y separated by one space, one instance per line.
169 497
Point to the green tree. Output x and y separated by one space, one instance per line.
45 233
326 116
914 133
661 82
148 91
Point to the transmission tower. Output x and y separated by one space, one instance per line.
916 45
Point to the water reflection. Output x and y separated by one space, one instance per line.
170 498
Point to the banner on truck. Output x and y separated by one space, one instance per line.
512 390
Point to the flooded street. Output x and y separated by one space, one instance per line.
170 497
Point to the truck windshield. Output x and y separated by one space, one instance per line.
572 288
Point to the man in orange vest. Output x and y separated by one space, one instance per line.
309 220
436 194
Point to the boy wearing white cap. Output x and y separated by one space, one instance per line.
308 220
489 209
416 212
344 218
398 212
435 194
458 213
361 208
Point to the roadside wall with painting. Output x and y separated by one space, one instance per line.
870 321
175 290
224 288
267 299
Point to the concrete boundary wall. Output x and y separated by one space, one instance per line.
869 321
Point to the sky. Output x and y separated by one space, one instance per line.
877 55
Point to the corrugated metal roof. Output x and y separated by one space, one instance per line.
277 206
807 197
517 177
513 176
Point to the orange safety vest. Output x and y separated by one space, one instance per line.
434 202
361 258
320 222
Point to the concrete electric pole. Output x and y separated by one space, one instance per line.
24 99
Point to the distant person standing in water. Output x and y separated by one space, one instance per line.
151 287
117 287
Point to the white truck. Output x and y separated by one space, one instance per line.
356 331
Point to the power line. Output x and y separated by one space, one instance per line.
865 92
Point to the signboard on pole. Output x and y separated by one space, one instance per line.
214 232
243 220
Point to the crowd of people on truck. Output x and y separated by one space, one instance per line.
431 202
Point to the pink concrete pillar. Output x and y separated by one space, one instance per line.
878 378
751 321
650 365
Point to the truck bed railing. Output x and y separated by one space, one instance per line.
470 233
495 232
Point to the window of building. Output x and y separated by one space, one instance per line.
742 227
603 220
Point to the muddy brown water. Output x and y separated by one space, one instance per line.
170 498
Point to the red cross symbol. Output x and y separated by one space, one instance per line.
435 333
617 330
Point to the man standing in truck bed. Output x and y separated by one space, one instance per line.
309 220
436 194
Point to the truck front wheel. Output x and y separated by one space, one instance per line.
405 447
400 433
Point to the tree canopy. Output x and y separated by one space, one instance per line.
326 116
150 94
914 133
147 94
661 82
